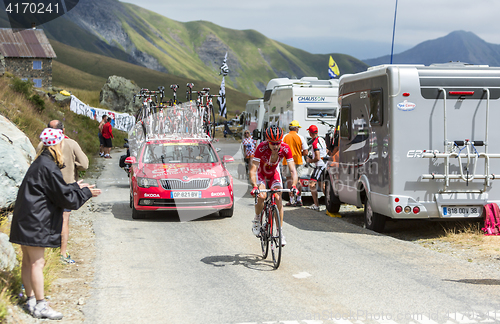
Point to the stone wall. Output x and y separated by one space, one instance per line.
2 64
23 68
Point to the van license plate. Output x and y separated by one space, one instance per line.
185 194
462 211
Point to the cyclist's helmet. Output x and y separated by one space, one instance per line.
274 133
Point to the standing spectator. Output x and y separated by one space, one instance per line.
107 133
37 219
101 139
74 160
249 145
319 149
298 145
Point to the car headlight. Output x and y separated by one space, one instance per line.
146 182
222 181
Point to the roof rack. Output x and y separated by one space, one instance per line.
178 136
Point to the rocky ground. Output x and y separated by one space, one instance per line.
70 291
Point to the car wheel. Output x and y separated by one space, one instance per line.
137 214
227 212
332 202
373 221
131 204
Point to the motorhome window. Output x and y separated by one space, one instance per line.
267 95
376 107
345 122
321 112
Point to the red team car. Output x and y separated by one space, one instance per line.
182 174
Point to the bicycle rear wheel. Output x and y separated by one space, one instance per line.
211 122
275 236
264 235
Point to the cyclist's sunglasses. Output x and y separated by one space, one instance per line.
275 143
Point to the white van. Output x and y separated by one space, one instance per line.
417 142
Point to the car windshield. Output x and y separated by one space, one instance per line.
179 153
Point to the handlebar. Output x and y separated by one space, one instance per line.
325 123
274 190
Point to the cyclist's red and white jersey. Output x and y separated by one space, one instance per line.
263 155
319 144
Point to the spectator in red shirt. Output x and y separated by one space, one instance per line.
107 133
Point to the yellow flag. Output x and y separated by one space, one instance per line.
333 69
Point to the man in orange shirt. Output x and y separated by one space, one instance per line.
298 145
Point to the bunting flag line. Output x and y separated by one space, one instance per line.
224 69
221 100
333 69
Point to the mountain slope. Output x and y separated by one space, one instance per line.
89 71
193 50
457 46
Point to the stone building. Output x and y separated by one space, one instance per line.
28 55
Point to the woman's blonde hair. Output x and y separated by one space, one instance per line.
55 151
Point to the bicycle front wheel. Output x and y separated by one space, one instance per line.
275 236
264 235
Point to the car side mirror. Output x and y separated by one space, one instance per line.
227 158
130 160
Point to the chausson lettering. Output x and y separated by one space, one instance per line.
311 99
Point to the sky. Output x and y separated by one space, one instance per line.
361 28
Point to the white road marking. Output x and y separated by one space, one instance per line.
302 275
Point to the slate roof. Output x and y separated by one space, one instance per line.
26 43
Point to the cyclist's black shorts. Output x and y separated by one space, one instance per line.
316 173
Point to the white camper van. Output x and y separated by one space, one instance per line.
304 100
417 142
254 115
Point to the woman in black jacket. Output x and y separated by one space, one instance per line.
37 219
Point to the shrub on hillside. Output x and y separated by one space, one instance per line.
38 102
24 87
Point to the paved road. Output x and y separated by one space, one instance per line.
161 270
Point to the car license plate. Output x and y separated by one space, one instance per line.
185 194
462 211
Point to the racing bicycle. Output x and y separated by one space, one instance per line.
270 229
207 112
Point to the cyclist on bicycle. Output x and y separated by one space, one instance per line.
265 170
